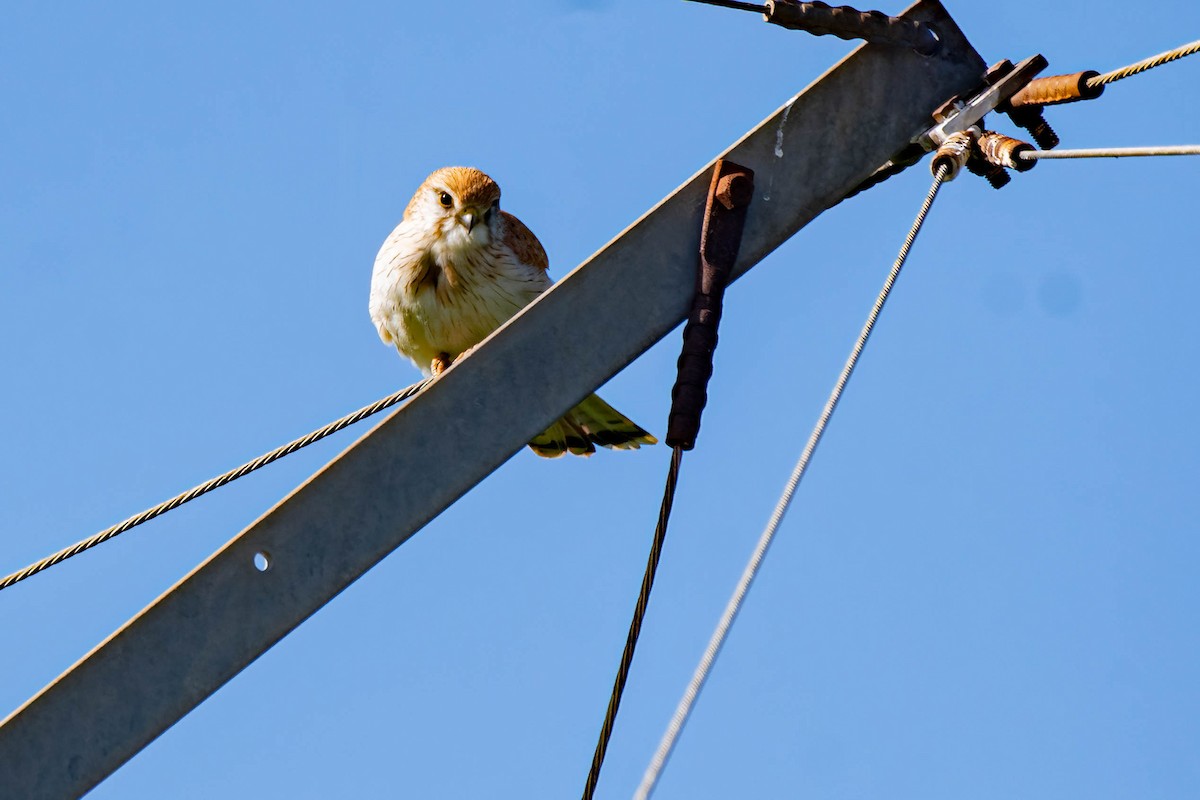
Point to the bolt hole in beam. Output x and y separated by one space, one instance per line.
262 561
937 38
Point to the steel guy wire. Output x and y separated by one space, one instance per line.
1115 152
214 483
1145 64
684 709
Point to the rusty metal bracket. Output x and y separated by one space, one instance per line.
1003 81
729 196
958 132
988 154
1025 114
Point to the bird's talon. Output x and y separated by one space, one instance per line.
440 363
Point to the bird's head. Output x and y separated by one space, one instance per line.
460 204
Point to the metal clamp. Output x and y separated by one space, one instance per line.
958 115
959 137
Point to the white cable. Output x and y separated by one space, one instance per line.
1115 152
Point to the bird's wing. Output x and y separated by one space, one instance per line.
524 245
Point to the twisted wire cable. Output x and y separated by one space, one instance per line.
635 626
208 486
1145 64
684 709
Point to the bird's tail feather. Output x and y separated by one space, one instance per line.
592 422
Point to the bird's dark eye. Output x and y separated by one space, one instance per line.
445 199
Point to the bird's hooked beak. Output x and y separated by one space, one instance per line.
468 218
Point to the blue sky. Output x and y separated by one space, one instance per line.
986 587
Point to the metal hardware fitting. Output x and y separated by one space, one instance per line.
954 152
1005 151
1028 117
821 19
1004 80
964 113
1058 89
729 196
1034 121
993 154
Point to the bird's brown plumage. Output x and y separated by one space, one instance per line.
453 270
524 245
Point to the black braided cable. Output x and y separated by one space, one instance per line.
635 626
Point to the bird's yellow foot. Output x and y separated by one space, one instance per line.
440 363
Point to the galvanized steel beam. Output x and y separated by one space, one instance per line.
369 500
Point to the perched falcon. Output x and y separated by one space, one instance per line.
452 271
